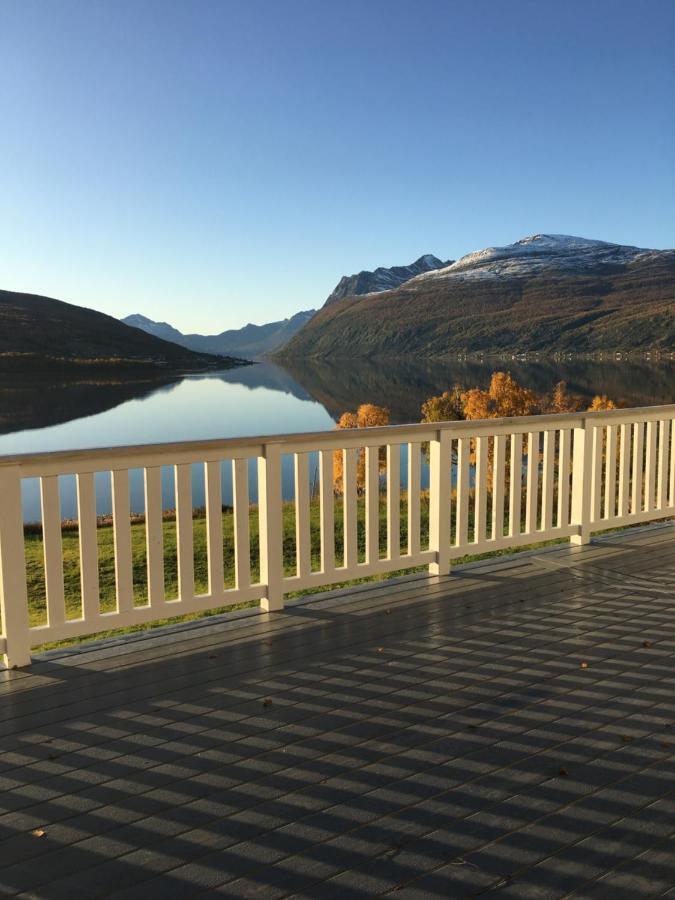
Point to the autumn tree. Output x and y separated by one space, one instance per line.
447 407
562 401
368 415
601 402
504 398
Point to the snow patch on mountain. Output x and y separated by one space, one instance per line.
538 253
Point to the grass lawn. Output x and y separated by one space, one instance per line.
71 566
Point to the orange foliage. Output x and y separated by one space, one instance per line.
447 407
562 401
600 402
505 397
366 416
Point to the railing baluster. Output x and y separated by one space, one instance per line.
480 489
393 501
88 546
327 501
498 465
515 484
213 490
372 504
582 477
124 586
439 501
610 472
241 524
547 481
638 463
624 469
349 510
564 456
650 465
664 452
596 472
53 549
270 527
463 463
414 473
302 532
184 532
13 586
671 477
532 495
154 535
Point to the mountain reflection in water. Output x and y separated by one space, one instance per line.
40 414
402 385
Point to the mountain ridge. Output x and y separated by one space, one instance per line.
253 341
259 341
382 278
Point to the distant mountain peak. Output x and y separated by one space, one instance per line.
251 342
383 279
433 262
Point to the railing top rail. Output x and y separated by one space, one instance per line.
166 453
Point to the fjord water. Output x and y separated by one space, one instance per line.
39 415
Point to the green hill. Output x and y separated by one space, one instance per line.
42 334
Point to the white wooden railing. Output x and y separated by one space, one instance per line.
493 484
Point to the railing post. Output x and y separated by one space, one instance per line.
439 502
13 590
271 527
582 476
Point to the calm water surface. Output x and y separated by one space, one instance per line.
52 414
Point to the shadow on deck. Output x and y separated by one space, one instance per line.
507 731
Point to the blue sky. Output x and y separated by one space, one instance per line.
214 162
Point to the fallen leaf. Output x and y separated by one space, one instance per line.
267 701
38 832
666 745
463 862
562 771
626 738
646 643
387 612
379 649
583 665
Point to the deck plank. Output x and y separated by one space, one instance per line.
428 735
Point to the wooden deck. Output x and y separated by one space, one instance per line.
508 731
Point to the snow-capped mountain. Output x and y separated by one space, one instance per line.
539 253
547 292
383 279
